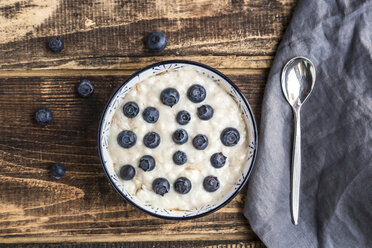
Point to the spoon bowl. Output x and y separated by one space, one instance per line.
298 79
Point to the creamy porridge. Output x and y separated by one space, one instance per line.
192 151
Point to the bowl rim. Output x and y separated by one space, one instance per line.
228 200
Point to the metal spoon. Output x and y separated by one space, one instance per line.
298 79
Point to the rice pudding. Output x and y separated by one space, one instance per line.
178 141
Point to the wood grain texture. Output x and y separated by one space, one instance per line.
104 41
169 244
110 34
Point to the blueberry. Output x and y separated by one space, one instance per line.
43 116
169 97
211 183
127 139
200 142
130 109
182 185
196 93
57 170
85 88
156 41
127 172
205 112
151 115
183 117
180 136
218 160
151 140
230 136
160 186
147 163
55 44
179 158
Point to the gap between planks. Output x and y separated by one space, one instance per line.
128 238
107 72
135 63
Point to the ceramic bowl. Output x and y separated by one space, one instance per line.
114 103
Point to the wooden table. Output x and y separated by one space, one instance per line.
104 41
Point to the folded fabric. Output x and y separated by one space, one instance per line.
336 181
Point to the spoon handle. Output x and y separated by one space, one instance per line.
296 168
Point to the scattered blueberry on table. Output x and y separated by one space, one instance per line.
150 115
196 93
55 44
182 185
161 186
147 163
179 158
230 136
151 140
205 112
183 117
127 139
127 172
169 97
130 109
180 136
43 116
57 170
85 88
218 160
200 142
211 183
156 41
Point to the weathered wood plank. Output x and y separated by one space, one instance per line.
171 244
82 205
110 34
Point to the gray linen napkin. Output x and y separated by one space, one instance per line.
336 182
